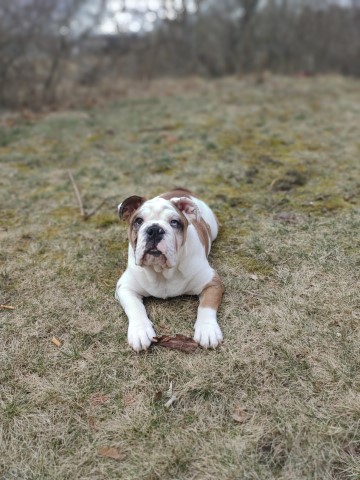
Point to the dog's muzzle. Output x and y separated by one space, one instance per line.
154 235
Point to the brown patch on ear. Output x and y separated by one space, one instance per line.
181 199
188 207
129 206
212 293
204 232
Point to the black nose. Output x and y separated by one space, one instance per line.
155 232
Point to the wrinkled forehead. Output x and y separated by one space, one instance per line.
157 209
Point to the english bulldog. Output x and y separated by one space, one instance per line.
170 238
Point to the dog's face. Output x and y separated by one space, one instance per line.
157 228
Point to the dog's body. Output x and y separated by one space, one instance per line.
170 238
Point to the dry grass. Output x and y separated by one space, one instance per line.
278 162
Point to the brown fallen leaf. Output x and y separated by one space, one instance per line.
171 139
93 423
112 452
158 395
239 414
176 342
56 341
99 399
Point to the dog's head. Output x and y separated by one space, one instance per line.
158 228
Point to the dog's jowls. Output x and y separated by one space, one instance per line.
170 238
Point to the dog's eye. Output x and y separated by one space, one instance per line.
138 221
175 223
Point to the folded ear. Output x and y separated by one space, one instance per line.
187 207
129 206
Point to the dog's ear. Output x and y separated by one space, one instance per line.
129 206
187 207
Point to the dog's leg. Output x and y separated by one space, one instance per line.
140 330
207 330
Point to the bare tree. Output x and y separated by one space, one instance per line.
46 44
37 38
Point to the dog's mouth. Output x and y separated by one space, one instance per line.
156 255
154 258
154 252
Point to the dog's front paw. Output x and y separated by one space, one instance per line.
140 336
208 333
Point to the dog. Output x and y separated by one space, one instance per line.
170 238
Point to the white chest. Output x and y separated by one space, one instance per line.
161 286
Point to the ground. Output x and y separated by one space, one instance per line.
278 161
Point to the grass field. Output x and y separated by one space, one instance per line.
278 160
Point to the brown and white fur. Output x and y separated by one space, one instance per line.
170 238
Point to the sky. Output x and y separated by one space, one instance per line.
144 20
141 14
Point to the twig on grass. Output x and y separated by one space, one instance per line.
90 214
161 128
7 307
83 213
77 194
